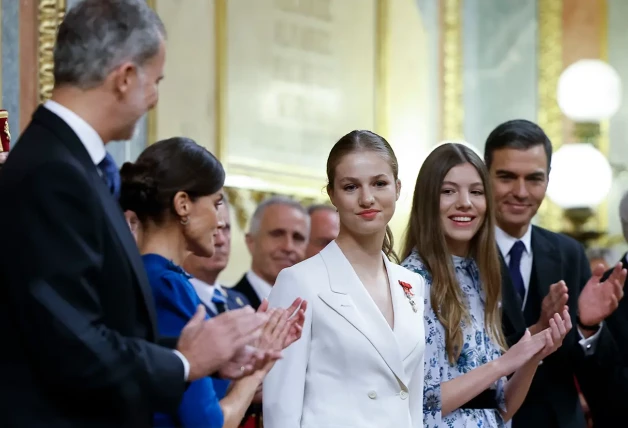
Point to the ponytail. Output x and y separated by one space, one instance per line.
388 246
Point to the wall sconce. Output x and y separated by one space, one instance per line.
589 92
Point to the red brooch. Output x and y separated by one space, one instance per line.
407 289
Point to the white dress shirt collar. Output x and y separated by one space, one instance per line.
261 287
83 130
505 241
205 292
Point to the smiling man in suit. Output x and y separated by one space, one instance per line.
543 272
277 239
76 309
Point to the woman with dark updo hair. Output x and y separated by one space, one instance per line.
174 188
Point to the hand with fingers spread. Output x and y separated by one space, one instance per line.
597 299
555 302
220 343
296 318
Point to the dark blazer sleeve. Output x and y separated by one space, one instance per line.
56 298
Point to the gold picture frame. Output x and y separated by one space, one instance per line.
279 177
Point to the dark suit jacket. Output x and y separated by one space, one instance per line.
610 386
244 287
235 300
76 309
553 398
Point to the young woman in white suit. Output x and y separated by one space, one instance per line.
359 363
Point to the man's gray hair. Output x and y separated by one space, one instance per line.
318 207
599 253
623 214
256 220
96 36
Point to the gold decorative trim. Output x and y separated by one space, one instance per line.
50 13
244 202
381 57
549 68
452 101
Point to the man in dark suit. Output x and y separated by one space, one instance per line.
608 404
277 239
543 272
76 309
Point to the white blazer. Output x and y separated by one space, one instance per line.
349 369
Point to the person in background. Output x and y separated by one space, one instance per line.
277 239
76 304
5 136
608 403
205 270
360 360
218 299
598 256
451 243
175 189
324 227
544 272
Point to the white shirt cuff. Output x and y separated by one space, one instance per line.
186 364
589 344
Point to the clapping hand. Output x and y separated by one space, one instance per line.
533 348
555 302
597 299
220 343
555 334
296 318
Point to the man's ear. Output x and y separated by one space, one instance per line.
123 76
250 242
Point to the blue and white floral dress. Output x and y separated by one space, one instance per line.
478 349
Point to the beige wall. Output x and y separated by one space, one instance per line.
187 96
186 105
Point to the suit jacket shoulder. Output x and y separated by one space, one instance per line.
245 288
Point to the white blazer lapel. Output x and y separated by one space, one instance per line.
348 297
408 323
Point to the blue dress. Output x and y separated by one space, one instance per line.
176 302
478 349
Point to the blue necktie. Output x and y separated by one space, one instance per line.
219 300
110 174
514 266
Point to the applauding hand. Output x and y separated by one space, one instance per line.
597 299
220 343
533 348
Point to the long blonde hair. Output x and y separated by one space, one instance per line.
425 234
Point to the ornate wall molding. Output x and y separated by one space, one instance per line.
550 66
244 202
50 13
452 90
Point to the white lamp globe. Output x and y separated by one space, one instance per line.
580 177
589 90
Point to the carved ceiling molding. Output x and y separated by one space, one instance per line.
244 202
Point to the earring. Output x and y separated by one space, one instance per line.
184 220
